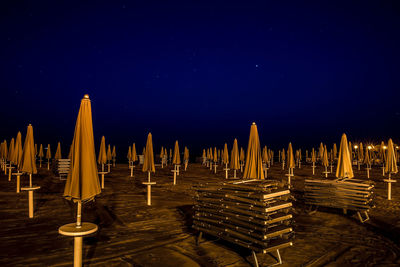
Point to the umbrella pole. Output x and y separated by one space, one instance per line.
148 176
131 171
326 172
226 170
48 164
102 167
234 173
30 180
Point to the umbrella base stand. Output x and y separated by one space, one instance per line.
78 234
368 169
226 172
30 192
177 169
102 179
9 172
149 184
109 167
326 174
389 181
18 174
174 171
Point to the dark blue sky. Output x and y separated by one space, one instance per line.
201 72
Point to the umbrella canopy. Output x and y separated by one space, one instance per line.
235 165
204 154
176 159
367 157
361 152
41 154
58 152
28 162
351 152
334 150
313 156
114 152
253 168
344 168
325 161
129 155
148 164
102 158
283 155
242 156
321 150
215 155
290 161
186 154
48 153
35 150
10 155
162 152
225 155
265 154
83 180
144 151
134 154
5 149
18 150
109 154
391 163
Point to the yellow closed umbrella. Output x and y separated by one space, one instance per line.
390 163
242 158
321 151
102 158
148 166
344 168
325 161
41 155
176 159
313 160
390 166
253 168
134 154
114 155
129 155
283 158
109 157
367 160
203 157
166 156
18 151
290 162
215 159
82 181
235 160
35 150
186 157
48 156
148 163
334 151
351 153
225 159
10 155
162 157
58 152
28 165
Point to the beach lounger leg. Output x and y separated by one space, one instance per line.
199 238
361 218
277 258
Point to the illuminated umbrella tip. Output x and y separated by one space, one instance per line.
254 123
86 96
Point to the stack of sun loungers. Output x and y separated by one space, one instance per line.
346 194
254 214
61 168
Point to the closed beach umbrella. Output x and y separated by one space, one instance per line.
325 161
235 164
134 154
83 180
176 159
290 160
18 151
129 155
215 155
102 158
334 151
48 153
148 164
109 154
391 163
58 152
41 153
186 154
114 152
225 155
367 158
28 163
253 168
344 168
10 155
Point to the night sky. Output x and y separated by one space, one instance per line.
201 72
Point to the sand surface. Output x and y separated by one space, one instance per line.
134 234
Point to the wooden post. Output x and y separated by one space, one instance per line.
30 192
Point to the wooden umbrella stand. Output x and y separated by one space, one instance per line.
389 181
132 167
313 168
149 184
10 171
226 169
78 230
174 171
30 190
102 178
18 174
215 167
326 172
265 171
